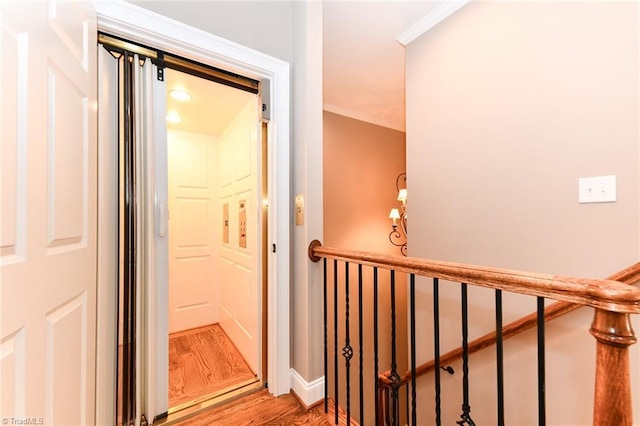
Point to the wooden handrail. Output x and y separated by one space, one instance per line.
626 276
613 302
602 294
612 400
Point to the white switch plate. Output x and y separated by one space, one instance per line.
599 189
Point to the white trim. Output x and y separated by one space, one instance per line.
107 257
309 392
123 19
436 16
356 115
131 22
155 262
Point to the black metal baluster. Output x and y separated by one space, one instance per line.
465 417
542 420
412 320
375 344
395 377
387 407
436 346
336 383
407 410
360 345
347 350
500 357
326 354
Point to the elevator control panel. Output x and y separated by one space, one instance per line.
242 211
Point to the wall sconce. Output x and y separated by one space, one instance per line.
398 237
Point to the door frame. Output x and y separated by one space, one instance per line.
148 28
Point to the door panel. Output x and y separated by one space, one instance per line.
192 290
66 152
66 343
14 130
48 255
238 262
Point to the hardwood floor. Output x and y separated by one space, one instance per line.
260 408
203 362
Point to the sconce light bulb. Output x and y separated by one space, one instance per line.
402 195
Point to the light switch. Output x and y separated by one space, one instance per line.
299 210
600 189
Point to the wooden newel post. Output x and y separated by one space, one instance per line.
614 335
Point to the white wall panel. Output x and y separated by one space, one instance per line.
193 228
197 273
192 217
240 280
192 155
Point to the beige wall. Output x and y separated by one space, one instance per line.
361 163
508 104
306 309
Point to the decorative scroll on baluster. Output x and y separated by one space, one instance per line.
465 417
449 369
394 376
347 350
614 335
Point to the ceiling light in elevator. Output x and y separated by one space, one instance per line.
174 117
180 95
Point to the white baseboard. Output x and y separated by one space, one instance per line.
309 392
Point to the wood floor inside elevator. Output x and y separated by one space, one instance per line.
203 363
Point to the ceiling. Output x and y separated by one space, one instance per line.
363 72
212 105
363 68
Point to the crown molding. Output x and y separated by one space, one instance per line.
438 15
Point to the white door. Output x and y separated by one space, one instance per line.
48 211
192 286
239 247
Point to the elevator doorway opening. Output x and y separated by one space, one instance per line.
134 133
216 211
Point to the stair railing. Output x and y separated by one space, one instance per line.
629 276
613 302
